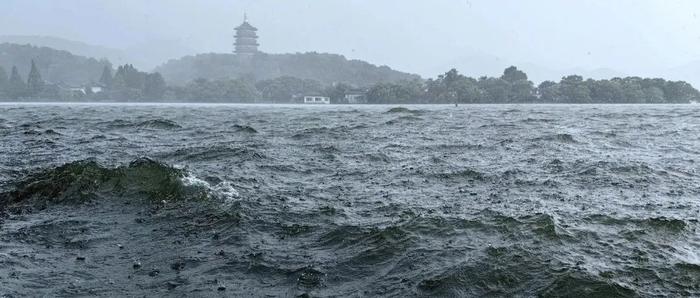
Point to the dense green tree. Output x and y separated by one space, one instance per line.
521 91
680 92
468 91
444 89
632 89
154 86
106 78
130 84
130 77
494 90
35 84
654 94
513 74
573 89
337 92
546 84
548 92
605 90
16 88
219 91
118 83
394 93
384 93
453 87
284 89
414 90
3 81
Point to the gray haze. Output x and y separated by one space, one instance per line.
547 38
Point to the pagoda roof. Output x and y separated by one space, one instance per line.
246 26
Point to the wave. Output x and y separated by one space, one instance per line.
509 111
244 129
655 223
404 119
159 124
321 131
607 134
562 138
538 120
49 132
616 172
501 269
404 110
498 125
81 181
364 247
582 285
378 157
215 153
468 174
633 169
456 146
491 277
164 124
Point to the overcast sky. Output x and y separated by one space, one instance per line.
424 37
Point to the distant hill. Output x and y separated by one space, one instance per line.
55 66
145 56
75 47
325 68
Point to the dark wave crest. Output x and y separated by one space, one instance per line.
244 129
402 110
164 124
561 138
84 180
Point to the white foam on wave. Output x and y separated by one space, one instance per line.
223 191
688 255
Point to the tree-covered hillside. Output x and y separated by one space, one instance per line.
59 67
515 87
324 68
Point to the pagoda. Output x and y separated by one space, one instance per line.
246 39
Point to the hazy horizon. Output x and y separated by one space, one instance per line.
547 39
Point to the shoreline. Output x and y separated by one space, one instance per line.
318 105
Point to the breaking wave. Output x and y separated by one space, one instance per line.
81 181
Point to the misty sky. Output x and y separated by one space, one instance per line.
424 37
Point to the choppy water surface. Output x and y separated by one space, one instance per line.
349 200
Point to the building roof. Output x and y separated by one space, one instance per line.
246 26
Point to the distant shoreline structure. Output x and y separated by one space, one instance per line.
156 102
251 76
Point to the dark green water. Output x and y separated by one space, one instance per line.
188 200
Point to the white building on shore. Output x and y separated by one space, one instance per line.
317 100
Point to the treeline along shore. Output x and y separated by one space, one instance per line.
127 84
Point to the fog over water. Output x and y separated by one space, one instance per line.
547 38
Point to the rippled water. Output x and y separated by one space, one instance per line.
349 200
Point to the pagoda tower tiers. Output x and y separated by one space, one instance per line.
246 39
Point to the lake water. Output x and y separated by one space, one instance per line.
246 200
